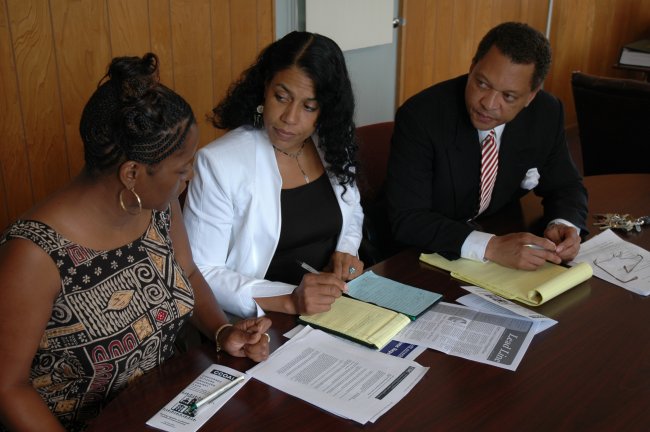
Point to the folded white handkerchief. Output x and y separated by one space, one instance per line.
531 180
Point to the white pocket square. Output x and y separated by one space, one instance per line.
531 179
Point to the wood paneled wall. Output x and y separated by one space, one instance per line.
53 53
587 35
440 38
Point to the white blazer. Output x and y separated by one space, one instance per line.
232 215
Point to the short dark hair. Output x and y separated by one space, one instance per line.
132 116
522 44
321 59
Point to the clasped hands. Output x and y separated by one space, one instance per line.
317 292
247 338
560 243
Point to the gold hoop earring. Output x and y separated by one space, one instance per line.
124 207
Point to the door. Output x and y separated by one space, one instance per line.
373 70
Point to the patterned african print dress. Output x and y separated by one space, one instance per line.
116 317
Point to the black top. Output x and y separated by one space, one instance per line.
311 225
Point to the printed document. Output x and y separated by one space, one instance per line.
486 301
344 379
175 416
493 339
395 348
617 261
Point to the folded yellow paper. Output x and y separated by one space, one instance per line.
530 287
362 322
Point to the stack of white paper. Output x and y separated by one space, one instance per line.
324 371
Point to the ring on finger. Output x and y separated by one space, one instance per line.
352 270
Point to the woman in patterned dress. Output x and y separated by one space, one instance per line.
98 279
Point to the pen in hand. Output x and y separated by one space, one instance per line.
194 407
307 267
535 247
310 269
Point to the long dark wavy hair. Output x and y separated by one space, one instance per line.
322 60
132 116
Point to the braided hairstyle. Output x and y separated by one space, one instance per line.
132 116
321 59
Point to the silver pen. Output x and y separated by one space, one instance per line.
215 394
310 269
307 267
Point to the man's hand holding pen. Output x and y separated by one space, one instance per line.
523 251
526 251
566 238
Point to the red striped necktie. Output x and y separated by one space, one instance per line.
489 168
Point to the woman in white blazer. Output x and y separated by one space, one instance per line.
279 188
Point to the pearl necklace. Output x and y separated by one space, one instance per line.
295 156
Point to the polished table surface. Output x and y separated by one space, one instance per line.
591 371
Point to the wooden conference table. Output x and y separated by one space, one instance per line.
591 371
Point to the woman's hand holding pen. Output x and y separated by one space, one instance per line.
317 292
248 338
345 266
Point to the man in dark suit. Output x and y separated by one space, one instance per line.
439 180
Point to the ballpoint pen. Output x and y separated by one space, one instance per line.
310 269
307 267
215 394
533 246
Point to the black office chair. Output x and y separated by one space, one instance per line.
613 122
374 149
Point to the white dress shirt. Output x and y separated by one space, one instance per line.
476 242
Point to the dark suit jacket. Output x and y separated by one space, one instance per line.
434 167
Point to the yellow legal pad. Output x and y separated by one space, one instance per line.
530 287
359 321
